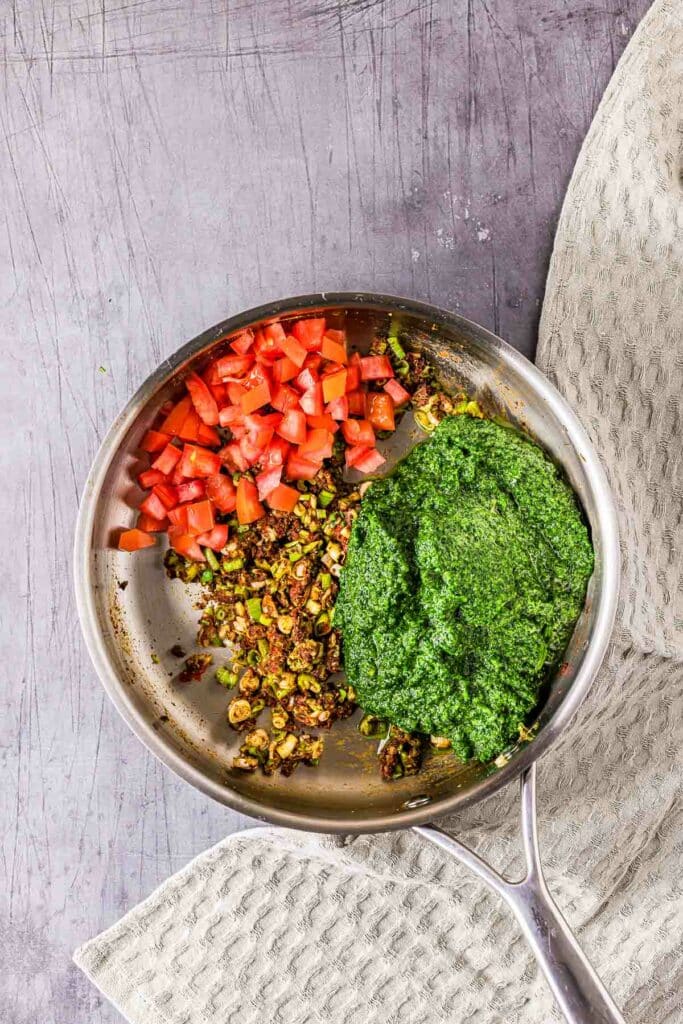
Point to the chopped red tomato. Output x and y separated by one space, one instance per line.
317 446
221 491
220 393
283 370
235 392
231 416
313 361
300 469
174 421
191 490
249 508
154 441
312 401
231 455
275 332
198 461
150 477
293 426
332 349
334 385
266 348
339 408
375 367
243 342
178 517
208 435
233 366
202 399
251 452
167 494
307 379
134 540
283 498
150 525
369 461
294 350
309 332
256 398
188 431
381 411
167 460
153 506
285 398
215 539
200 517
356 400
268 480
185 544
324 422
358 432
275 453
398 393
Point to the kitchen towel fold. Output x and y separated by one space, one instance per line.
277 926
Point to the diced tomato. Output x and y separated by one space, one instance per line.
375 367
198 461
267 419
249 508
231 416
356 400
324 422
208 435
185 544
294 350
300 469
154 441
134 540
243 342
167 460
398 393
358 432
309 332
275 332
317 446
352 378
211 376
221 491
178 517
307 379
333 350
284 398
369 461
190 427
275 453
153 506
177 476
334 385
191 490
268 480
236 392
233 458
150 477
167 494
381 411
220 393
312 401
313 361
284 369
202 399
334 335
266 347
293 426
251 452
150 525
256 398
215 539
283 498
174 421
339 408
200 517
234 366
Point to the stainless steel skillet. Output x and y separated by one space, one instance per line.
128 614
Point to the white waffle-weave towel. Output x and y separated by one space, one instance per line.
285 928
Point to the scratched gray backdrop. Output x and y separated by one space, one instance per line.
164 164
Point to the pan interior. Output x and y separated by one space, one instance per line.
136 616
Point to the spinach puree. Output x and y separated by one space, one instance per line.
465 574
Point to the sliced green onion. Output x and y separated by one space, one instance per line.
232 565
324 498
206 576
211 559
254 608
396 347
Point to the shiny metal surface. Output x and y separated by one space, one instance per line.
127 630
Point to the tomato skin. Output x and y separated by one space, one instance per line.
285 398
167 460
202 399
150 477
338 409
154 441
294 351
256 398
283 498
333 350
234 366
299 468
334 385
312 401
150 525
215 539
358 432
397 392
135 540
293 426
317 446
268 480
352 378
185 544
173 423
309 332
283 370
191 490
221 491
381 411
200 517
375 367
249 508
243 342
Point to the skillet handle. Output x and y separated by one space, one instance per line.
577 988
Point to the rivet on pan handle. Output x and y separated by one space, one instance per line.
577 988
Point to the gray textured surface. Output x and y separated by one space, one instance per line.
162 165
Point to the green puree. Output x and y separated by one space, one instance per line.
465 574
